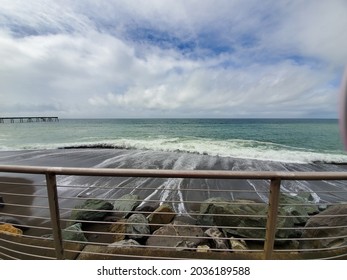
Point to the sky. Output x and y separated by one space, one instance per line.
172 58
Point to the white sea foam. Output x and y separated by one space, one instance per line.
236 148
227 148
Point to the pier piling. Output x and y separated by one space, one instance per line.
28 119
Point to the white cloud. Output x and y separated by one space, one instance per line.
178 58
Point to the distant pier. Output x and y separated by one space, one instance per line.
29 119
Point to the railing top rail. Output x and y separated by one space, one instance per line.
169 173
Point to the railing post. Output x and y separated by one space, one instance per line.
272 218
54 212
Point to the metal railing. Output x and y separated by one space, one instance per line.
264 247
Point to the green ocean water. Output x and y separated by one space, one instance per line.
285 140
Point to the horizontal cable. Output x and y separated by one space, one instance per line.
92 188
28 245
27 254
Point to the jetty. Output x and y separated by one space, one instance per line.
28 119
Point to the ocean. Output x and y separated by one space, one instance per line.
179 144
280 140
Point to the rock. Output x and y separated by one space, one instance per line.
145 209
10 229
162 215
217 238
89 210
247 218
13 221
203 249
137 227
119 230
290 207
322 207
125 244
126 204
2 203
225 213
237 244
74 233
334 217
176 235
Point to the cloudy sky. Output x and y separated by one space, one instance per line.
172 58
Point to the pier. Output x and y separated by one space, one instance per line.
29 119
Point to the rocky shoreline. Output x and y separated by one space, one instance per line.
220 225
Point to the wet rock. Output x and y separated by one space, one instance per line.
126 204
217 238
119 230
334 221
89 210
176 235
125 244
137 227
10 229
162 215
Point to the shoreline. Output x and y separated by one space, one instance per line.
179 190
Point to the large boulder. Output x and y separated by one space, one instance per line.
90 210
176 235
74 233
137 227
119 230
300 207
124 205
246 218
237 216
161 216
327 229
